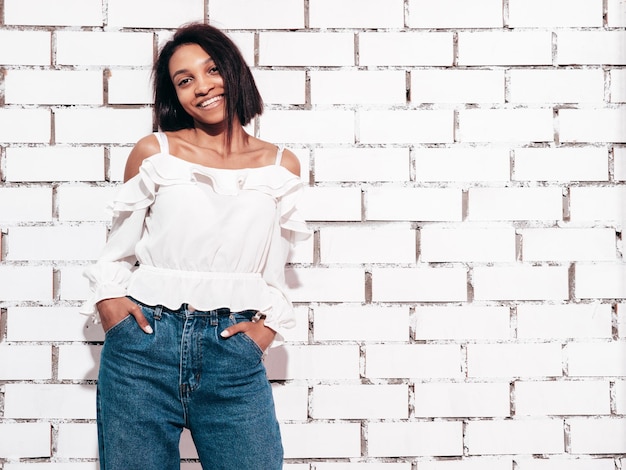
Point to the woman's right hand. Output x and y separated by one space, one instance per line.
114 310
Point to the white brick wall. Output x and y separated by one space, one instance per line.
462 303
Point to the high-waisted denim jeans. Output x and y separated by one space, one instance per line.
185 374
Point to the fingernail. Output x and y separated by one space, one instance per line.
148 329
225 334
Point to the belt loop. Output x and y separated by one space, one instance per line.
157 312
213 317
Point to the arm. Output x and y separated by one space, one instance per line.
109 277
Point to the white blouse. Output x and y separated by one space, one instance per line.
209 237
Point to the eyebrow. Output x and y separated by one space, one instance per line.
178 72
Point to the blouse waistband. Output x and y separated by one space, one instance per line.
198 274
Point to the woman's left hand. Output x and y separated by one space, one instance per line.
256 331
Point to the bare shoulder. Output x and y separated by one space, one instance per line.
144 148
291 162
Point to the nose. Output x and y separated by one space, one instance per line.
203 86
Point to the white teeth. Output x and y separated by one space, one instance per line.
206 103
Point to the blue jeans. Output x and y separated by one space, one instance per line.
151 386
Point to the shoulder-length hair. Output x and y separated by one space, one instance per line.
242 96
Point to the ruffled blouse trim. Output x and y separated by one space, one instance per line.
163 169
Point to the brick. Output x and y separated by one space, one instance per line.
593 359
367 245
514 360
85 203
29 283
292 402
562 398
361 164
590 47
600 280
620 308
305 127
406 126
361 466
53 466
461 323
556 86
23 440
530 203
26 204
620 397
245 42
104 48
565 463
55 12
24 125
25 362
321 440
306 49
35 47
117 162
462 400
597 435
417 204
506 125
619 163
62 87
56 243
356 87
561 164
436 438
277 14
568 244
471 463
75 125
521 282
458 164
467 244
74 286
360 402
52 324
564 321
331 204
359 323
391 48
559 14
457 86
299 333
505 48
603 203
129 87
326 284
618 86
616 16
356 14
520 436
428 361
79 361
187 448
423 284
154 13
49 401
77 440
54 163
281 86
314 362
592 125
455 14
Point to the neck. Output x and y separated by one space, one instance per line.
213 137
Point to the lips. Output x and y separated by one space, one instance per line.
210 101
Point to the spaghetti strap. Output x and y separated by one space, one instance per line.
163 143
279 155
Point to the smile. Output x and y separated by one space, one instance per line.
210 101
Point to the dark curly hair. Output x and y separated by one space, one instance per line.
242 96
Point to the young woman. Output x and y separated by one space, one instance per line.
190 287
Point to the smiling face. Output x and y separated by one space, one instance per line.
198 84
